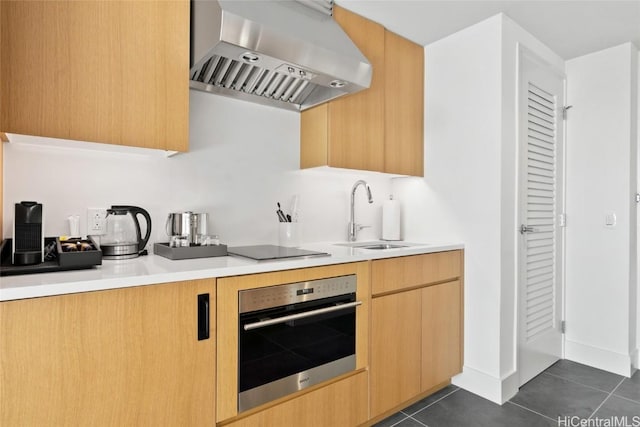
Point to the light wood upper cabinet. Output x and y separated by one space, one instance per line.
121 357
99 71
349 132
403 106
378 129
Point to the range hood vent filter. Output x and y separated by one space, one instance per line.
235 75
288 54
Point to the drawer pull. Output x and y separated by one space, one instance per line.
203 317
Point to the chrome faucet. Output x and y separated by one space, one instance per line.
353 227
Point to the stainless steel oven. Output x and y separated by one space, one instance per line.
293 336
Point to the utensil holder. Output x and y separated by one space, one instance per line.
289 234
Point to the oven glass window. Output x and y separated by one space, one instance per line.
277 351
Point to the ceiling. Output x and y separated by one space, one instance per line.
571 28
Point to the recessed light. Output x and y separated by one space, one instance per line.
249 57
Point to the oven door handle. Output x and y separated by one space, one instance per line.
284 319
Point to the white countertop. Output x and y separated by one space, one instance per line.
152 269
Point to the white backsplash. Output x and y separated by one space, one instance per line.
243 158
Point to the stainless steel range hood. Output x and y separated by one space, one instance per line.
288 54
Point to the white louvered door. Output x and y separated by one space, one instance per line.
540 247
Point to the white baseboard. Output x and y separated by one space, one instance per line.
600 358
510 386
497 390
635 360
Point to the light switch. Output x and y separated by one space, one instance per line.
610 219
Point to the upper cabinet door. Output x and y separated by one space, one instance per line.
378 129
111 72
403 106
348 132
356 122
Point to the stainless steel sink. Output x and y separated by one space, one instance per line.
380 245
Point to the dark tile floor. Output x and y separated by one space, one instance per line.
565 390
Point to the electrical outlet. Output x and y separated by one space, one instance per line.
96 221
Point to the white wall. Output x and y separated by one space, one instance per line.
243 158
602 177
634 344
460 195
636 362
469 190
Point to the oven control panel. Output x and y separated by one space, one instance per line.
292 293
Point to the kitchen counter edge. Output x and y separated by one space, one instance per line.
154 269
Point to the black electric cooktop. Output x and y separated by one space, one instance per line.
273 252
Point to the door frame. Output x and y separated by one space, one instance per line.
523 55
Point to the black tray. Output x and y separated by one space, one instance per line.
63 261
190 252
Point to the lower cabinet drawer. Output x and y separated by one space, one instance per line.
343 403
394 274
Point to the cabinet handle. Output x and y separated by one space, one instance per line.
203 317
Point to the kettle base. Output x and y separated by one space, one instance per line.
116 257
119 251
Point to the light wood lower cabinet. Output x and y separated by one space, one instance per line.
345 394
131 356
416 333
395 349
343 403
441 333
410 272
121 357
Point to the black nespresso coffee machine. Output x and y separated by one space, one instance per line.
28 234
